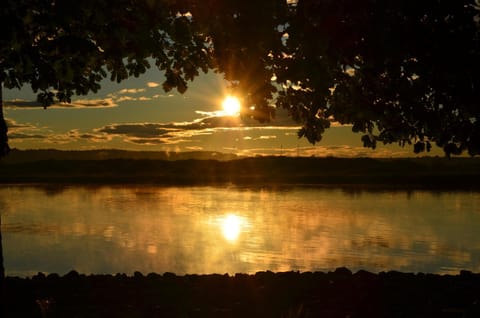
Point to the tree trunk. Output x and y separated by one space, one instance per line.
2 267
2 273
4 148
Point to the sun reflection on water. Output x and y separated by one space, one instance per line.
231 226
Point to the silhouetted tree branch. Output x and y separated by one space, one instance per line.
2 271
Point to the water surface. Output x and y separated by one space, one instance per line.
112 229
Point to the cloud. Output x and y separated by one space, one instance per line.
162 96
144 133
138 130
152 84
21 103
77 135
79 103
38 137
158 133
88 103
131 91
25 131
337 124
149 133
154 133
25 136
155 129
194 148
74 136
112 100
125 95
125 98
20 133
213 122
13 125
266 137
147 141
262 137
281 119
131 99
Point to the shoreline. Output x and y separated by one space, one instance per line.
340 293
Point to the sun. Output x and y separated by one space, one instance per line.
231 106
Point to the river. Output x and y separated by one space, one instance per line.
201 230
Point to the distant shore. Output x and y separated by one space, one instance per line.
291 294
125 168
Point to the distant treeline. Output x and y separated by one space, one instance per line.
457 173
16 156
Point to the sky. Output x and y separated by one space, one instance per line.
138 115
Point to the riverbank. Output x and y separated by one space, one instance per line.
264 294
457 173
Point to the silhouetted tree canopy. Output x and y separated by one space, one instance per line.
398 71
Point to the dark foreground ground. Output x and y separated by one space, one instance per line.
265 294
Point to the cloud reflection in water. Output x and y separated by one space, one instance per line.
230 230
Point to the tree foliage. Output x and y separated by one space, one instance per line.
398 71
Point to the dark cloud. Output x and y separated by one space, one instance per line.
19 103
80 103
154 130
95 137
140 130
147 133
26 136
178 132
148 141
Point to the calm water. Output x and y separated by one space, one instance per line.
230 230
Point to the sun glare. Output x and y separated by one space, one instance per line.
231 106
231 227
